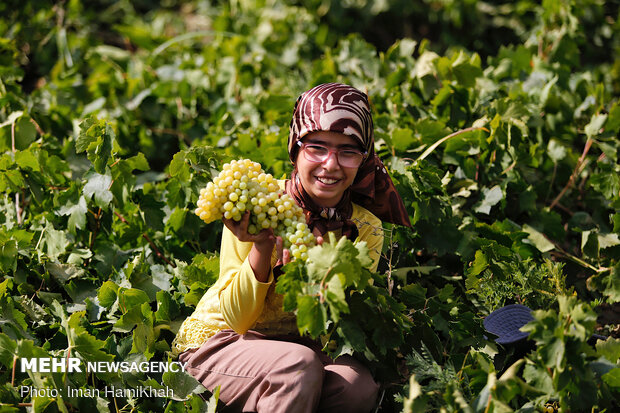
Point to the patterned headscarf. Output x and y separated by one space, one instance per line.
341 108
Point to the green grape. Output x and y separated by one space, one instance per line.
243 186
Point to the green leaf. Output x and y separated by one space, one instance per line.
552 353
7 350
152 212
139 318
8 254
612 378
77 214
613 120
204 268
25 133
608 240
350 331
179 168
490 197
27 160
161 278
12 118
131 298
335 297
431 131
331 258
12 321
138 162
480 263
107 293
167 308
607 183
538 239
176 220
80 289
556 150
97 188
55 241
609 348
596 124
62 273
589 243
182 384
80 340
466 70
95 137
402 139
89 347
415 402
78 256
311 316
607 283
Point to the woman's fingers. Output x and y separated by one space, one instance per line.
283 254
279 251
240 229
319 240
245 221
231 224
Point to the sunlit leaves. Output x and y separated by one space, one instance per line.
97 189
95 138
561 337
332 269
490 197
106 141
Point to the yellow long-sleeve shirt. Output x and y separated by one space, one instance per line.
240 302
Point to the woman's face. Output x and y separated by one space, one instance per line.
326 181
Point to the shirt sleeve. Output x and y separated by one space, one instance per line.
242 296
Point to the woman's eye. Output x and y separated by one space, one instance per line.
350 154
317 149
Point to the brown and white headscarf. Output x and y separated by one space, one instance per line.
341 108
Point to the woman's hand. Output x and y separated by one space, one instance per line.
283 254
265 238
263 243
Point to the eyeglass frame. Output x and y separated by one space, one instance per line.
329 151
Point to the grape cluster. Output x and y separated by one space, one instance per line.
243 186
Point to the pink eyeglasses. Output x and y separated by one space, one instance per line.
347 158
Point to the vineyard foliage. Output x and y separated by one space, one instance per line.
498 122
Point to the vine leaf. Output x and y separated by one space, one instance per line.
97 188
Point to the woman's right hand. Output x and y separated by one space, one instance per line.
264 238
264 241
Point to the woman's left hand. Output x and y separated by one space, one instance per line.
283 254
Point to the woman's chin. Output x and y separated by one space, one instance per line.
327 197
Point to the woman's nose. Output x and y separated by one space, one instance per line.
331 161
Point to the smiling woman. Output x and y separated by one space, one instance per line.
239 337
325 176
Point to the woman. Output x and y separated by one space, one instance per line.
238 337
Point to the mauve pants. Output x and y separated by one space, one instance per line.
286 374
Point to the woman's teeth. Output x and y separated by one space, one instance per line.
327 181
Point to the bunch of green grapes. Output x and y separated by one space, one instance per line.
243 186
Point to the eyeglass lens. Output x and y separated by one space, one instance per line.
346 157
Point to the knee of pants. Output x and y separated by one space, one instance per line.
295 380
357 391
304 366
363 394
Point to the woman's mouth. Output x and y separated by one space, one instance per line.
326 181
